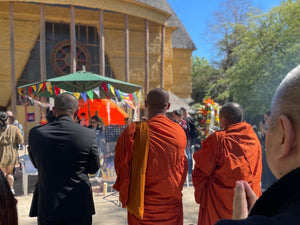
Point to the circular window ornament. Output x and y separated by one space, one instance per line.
61 58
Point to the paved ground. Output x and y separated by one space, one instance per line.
107 210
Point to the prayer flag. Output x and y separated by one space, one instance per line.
97 91
39 87
141 95
57 90
125 96
84 96
76 94
43 87
112 89
104 86
49 87
135 96
20 91
90 94
121 95
30 91
118 94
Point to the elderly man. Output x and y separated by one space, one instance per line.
279 204
151 166
64 154
225 157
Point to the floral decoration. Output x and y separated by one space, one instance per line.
206 117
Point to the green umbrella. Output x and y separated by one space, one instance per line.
83 81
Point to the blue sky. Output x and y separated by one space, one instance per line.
195 14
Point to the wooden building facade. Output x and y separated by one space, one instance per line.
139 41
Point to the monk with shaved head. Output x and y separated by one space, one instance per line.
157 102
280 203
232 154
151 166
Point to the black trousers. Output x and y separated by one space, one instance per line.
84 221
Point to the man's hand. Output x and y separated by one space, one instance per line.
244 199
251 196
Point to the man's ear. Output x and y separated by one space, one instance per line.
76 113
54 111
169 104
287 136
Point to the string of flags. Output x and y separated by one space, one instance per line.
119 96
41 104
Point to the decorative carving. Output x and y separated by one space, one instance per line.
61 57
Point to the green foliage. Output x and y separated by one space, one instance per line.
203 76
257 52
267 51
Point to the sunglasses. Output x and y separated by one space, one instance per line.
93 122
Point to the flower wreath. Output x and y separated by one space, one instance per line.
207 117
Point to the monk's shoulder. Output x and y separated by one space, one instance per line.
219 135
129 131
164 122
212 140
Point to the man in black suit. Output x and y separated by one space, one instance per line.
64 153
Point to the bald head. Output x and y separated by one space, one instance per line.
286 100
65 104
232 113
157 102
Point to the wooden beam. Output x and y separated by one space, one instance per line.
73 40
12 59
126 48
162 65
146 58
101 43
42 42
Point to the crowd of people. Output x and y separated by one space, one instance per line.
152 159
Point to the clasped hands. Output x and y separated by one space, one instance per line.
243 201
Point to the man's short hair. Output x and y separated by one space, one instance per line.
182 109
95 117
10 114
177 112
66 102
232 112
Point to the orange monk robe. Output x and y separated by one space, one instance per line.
225 157
165 173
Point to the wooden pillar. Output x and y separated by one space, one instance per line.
101 43
162 65
146 58
126 48
12 59
73 40
42 42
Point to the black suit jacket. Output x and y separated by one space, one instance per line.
64 153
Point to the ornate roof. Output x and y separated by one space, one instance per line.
180 37
159 4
